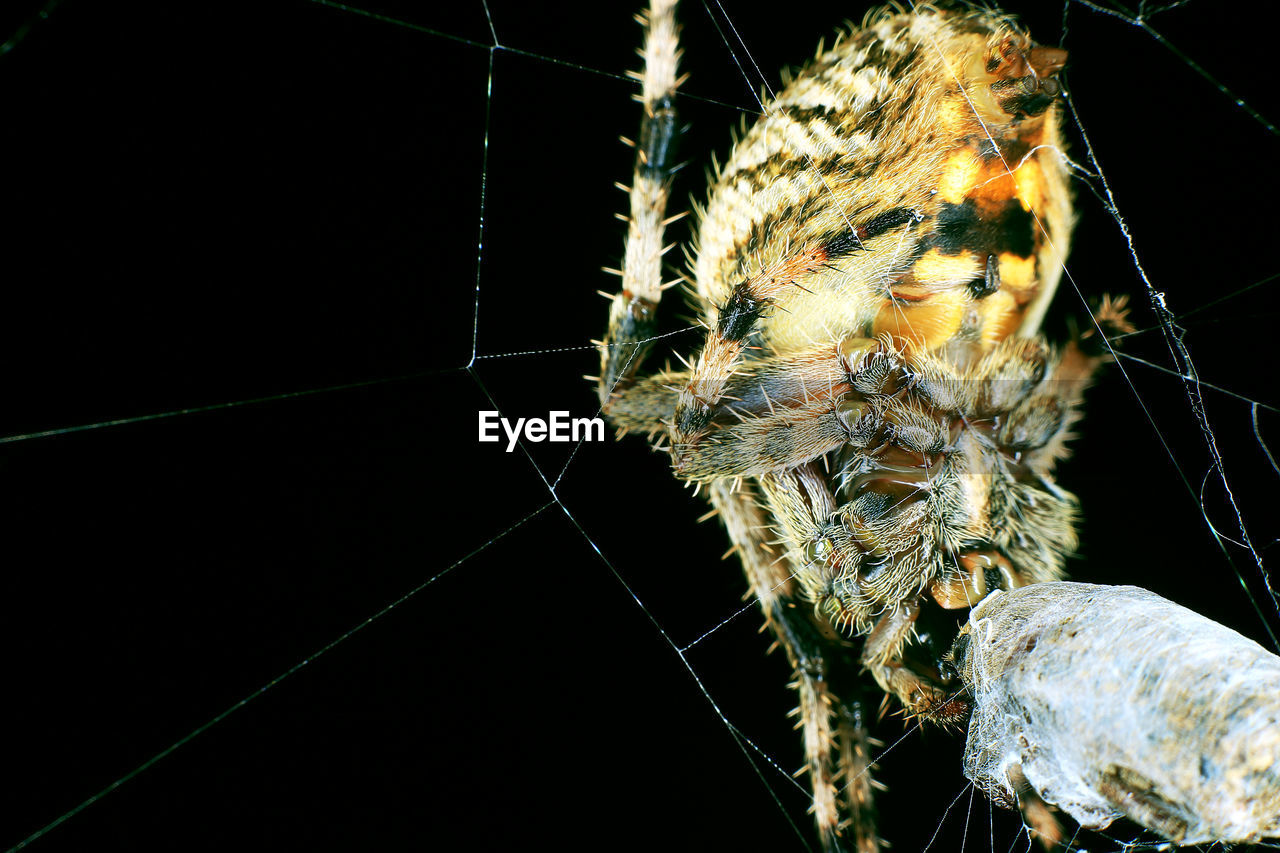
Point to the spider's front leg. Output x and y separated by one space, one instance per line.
931 694
632 311
922 694
836 743
773 414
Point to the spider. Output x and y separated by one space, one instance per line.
873 415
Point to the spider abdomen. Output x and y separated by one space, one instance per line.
903 149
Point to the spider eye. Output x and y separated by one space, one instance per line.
1024 86
1025 97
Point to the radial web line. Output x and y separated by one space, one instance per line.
964 837
551 488
1138 21
1181 358
915 727
599 411
945 814
750 605
598 347
488 17
739 737
1257 432
991 823
600 408
218 718
742 739
484 184
232 404
551 60
1206 306
528 54
399 22
755 599
1171 372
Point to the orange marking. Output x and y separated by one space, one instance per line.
989 183
925 324
959 174
1018 273
1001 316
1031 184
935 270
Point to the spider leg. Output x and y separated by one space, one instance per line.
786 411
820 548
854 755
835 741
1136 796
791 410
770 384
722 354
1036 813
882 655
768 442
632 312
646 404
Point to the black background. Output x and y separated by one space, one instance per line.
215 202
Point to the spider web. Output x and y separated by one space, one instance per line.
266 589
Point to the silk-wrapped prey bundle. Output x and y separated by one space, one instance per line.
1109 702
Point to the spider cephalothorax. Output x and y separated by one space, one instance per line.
872 266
